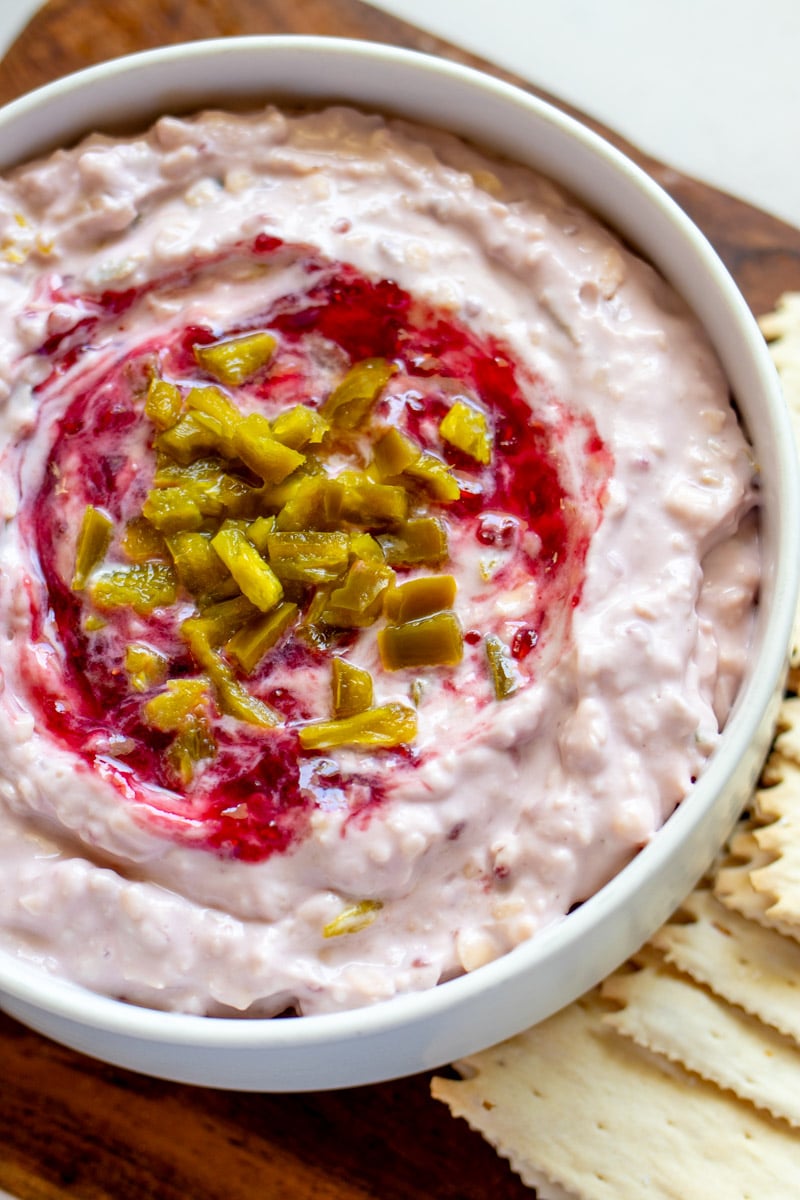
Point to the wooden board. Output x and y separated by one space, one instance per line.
72 1127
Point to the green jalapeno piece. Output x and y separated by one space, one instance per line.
94 538
385 726
434 641
237 359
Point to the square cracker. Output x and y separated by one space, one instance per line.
669 1013
609 1120
775 827
733 884
761 876
744 963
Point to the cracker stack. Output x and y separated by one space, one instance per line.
679 1076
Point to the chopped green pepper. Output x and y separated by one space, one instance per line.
315 503
187 440
252 573
163 404
142 587
254 444
434 477
434 641
393 453
386 726
141 541
221 620
145 666
94 539
351 401
308 556
465 428
248 647
193 744
418 540
300 426
235 360
351 687
232 697
353 918
181 699
420 597
501 669
371 504
172 510
357 602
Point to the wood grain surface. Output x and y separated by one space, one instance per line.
73 1127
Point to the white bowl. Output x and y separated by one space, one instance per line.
415 1032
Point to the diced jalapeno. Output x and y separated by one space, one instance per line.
394 453
363 545
261 452
170 709
308 556
235 700
163 404
353 918
310 628
434 641
315 503
501 669
236 359
181 709
93 623
248 647
172 509
420 597
375 505
170 473
435 477
141 541
351 401
465 428
419 540
213 411
253 574
217 495
388 725
351 688
359 599
94 539
199 567
232 697
192 745
220 621
145 666
300 426
187 440
257 532
142 587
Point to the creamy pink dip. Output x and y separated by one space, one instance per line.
611 548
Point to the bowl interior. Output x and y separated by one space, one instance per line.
415 1032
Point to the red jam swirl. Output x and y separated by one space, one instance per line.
259 794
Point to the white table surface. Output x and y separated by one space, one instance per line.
711 87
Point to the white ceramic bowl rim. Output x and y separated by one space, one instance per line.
74 1003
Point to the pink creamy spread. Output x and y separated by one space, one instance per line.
602 545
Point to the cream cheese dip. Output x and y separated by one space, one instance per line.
259 374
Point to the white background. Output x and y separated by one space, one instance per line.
711 87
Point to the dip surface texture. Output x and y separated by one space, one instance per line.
350 354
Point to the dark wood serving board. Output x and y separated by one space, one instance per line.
72 1127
